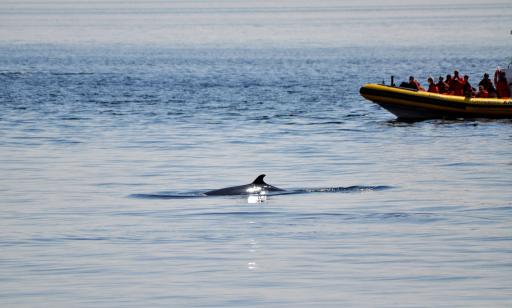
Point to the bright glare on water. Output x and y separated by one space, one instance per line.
116 118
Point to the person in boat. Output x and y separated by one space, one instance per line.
488 86
502 89
456 84
486 82
482 92
432 87
467 89
442 87
492 92
456 75
414 84
448 82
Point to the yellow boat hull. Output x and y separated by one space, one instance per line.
417 105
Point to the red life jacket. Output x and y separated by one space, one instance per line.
432 88
502 89
457 86
483 94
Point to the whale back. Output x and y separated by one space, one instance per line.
247 189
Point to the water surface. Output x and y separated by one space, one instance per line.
101 103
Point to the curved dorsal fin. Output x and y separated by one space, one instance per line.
259 180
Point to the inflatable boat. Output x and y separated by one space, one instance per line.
409 104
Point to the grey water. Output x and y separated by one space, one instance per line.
110 111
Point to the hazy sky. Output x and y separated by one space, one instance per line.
254 23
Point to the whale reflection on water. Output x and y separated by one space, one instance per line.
256 192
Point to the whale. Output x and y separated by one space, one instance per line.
256 191
257 187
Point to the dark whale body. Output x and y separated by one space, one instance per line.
258 186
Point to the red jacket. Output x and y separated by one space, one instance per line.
432 88
502 89
457 86
483 94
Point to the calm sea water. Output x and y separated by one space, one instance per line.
103 103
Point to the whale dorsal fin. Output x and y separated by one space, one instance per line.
259 180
